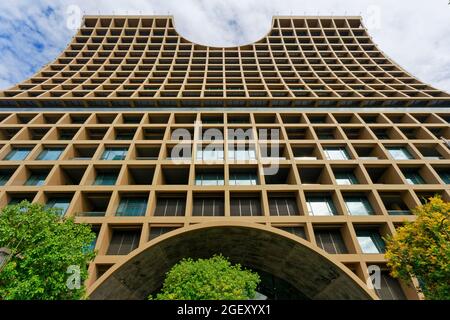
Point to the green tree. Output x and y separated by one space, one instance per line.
42 247
208 279
421 249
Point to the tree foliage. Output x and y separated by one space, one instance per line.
43 246
208 279
421 249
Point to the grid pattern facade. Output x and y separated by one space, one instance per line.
342 177
143 61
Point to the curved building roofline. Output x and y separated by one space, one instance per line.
143 61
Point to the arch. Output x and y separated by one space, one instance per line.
307 268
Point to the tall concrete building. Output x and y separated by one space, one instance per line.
294 155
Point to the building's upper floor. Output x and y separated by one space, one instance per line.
142 61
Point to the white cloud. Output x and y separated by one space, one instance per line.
414 33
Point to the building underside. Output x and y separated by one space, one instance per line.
294 155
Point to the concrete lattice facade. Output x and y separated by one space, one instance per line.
344 177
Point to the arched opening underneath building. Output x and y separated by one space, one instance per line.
284 261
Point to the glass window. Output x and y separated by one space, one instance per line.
124 135
4 177
18 154
445 176
399 153
170 206
390 288
105 179
331 241
325 135
281 206
208 206
413 178
336 153
114 154
358 206
123 242
62 204
15 201
158 231
370 241
245 206
298 231
243 179
37 179
65 135
345 178
91 246
209 179
320 206
132 206
241 153
50 154
209 154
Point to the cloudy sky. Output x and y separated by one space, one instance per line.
415 33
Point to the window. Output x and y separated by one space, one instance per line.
358 206
336 153
381 134
317 119
325 134
209 179
298 231
61 204
175 175
124 135
170 206
94 204
304 153
445 176
394 204
210 154
370 241
114 154
208 206
132 206
91 246
283 206
245 206
243 179
4 176
123 242
240 153
390 288
320 205
67 134
50 154
18 154
15 201
331 241
159 231
36 179
430 153
105 179
399 153
345 178
3 179
413 178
